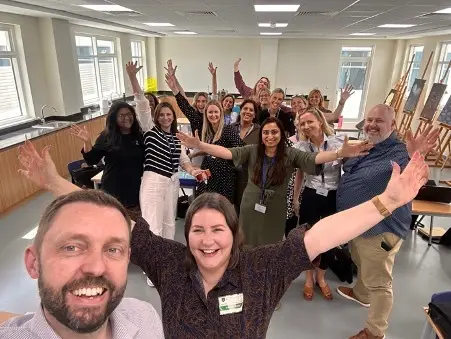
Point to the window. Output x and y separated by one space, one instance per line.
415 69
354 70
11 95
98 67
445 57
137 56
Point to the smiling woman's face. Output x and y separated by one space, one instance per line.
210 239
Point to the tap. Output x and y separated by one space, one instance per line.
42 113
111 96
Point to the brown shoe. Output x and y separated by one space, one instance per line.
365 334
347 292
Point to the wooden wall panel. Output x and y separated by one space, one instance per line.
65 148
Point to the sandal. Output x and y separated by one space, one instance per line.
308 293
326 292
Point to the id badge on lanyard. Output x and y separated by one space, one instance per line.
322 190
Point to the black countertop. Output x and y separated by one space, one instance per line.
18 137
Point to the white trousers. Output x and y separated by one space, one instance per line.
158 199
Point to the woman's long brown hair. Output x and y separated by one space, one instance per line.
277 172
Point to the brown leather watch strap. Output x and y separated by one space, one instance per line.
380 207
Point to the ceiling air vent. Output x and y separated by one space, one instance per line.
202 13
317 13
225 31
125 14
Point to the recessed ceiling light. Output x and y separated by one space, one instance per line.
107 8
276 8
156 24
396 26
444 11
185 33
277 25
271 33
362 34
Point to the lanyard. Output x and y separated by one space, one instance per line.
266 168
322 166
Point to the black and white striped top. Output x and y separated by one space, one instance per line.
162 152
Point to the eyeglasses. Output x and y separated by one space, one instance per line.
122 116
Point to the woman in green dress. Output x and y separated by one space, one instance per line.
270 164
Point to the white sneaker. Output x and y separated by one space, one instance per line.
150 283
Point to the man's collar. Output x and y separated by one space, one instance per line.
389 141
121 327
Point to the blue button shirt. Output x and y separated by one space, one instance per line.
368 176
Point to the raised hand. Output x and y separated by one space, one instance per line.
346 93
81 133
132 68
237 65
188 140
349 150
423 143
38 168
171 82
211 68
170 69
404 187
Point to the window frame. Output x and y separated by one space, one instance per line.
409 54
369 61
16 63
442 65
142 61
96 57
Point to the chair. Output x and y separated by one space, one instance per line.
72 166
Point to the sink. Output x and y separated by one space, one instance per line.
53 125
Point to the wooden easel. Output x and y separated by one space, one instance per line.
400 89
407 118
444 144
425 123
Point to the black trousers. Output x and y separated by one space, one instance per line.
315 207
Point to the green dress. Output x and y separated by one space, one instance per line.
269 227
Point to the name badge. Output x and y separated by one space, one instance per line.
260 208
322 191
231 304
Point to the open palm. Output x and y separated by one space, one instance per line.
132 67
404 187
38 168
81 133
346 93
423 143
355 150
188 140
170 69
212 68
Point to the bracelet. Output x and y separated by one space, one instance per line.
380 207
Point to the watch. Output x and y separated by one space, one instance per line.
380 207
337 153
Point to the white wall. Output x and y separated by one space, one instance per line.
192 56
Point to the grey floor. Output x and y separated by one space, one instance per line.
419 272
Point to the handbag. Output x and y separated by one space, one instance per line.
82 176
182 205
342 264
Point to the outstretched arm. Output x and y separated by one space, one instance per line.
347 151
240 85
41 170
214 80
214 150
171 71
401 189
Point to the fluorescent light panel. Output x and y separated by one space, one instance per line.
396 26
156 24
444 11
268 25
276 8
107 8
362 34
185 33
271 33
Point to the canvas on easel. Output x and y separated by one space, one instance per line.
433 101
445 114
443 143
414 95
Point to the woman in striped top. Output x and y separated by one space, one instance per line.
163 156
211 129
